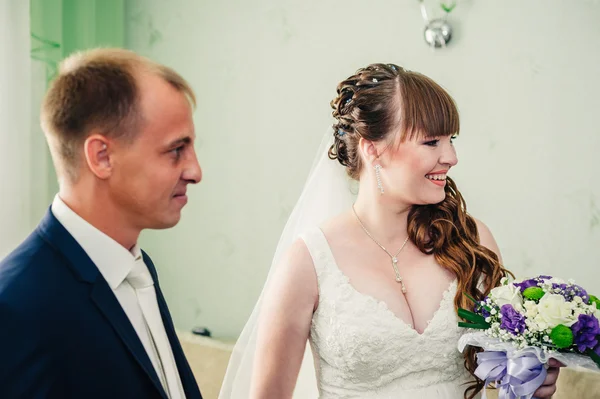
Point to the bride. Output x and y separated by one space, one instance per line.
373 281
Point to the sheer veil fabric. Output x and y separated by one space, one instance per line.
326 193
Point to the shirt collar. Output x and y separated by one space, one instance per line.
112 259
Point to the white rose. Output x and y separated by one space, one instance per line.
530 305
508 294
531 309
540 323
532 325
554 310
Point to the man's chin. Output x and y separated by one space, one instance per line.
166 223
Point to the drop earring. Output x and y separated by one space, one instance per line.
378 178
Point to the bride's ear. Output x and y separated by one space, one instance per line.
368 151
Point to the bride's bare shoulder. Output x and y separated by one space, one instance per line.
338 225
486 238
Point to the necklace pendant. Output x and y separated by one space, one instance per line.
395 260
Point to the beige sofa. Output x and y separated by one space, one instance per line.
208 359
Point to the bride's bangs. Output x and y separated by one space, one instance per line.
427 110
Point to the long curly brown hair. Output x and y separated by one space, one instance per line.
382 99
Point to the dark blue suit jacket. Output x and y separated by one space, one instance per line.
63 334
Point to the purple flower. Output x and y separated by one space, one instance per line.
586 331
560 289
570 291
512 321
484 312
532 282
580 292
480 308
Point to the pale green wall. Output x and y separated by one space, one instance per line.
15 142
59 28
524 74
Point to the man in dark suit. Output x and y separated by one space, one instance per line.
81 310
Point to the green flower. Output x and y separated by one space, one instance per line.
533 293
595 301
561 336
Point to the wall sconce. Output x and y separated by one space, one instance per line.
438 31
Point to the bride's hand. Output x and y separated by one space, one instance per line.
549 386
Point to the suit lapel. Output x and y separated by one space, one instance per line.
110 307
188 380
101 294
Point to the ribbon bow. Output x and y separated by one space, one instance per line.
516 377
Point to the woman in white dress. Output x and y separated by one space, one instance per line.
375 288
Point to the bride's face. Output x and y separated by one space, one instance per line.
414 171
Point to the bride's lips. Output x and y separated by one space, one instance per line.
440 183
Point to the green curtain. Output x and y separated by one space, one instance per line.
59 28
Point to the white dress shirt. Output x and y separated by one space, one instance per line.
115 263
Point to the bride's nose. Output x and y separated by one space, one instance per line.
449 157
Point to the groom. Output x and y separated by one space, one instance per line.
82 314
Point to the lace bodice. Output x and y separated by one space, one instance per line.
363 350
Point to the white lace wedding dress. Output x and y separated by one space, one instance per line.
363 350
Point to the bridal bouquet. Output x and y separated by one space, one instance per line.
523 324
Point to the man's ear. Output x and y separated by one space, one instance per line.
97 150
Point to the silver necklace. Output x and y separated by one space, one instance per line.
394 258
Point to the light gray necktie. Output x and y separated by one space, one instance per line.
140 279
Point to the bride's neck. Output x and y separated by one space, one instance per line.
385 221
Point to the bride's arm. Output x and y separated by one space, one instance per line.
284 325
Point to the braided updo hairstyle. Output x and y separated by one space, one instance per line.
378 103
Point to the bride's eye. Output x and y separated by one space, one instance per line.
432 143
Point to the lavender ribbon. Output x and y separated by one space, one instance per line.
516 378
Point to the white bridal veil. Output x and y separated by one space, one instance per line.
326 193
